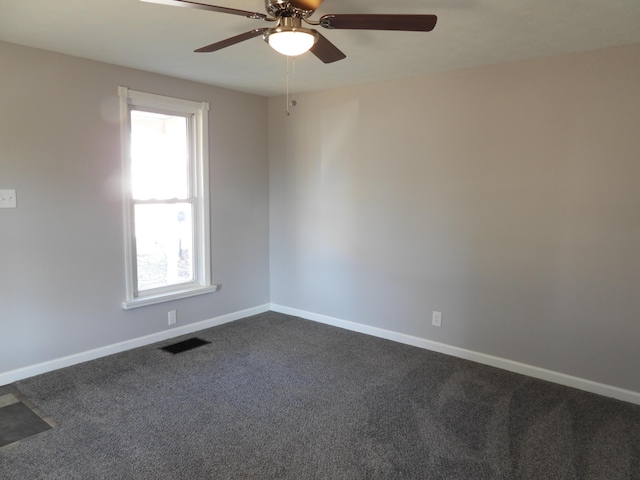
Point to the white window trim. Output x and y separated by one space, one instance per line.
202 266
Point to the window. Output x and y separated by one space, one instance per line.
164 150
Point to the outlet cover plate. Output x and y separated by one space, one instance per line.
8 199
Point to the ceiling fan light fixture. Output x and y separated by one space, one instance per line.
291 41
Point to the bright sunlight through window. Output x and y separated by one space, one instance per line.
160 175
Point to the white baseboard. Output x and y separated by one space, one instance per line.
505 364
30 371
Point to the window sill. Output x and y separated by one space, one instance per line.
166 297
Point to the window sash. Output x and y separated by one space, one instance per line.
172 270
191 149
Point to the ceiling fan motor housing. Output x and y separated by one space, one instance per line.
283 8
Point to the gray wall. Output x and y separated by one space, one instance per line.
61 250
506 197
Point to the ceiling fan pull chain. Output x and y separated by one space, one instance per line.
293 101
288 111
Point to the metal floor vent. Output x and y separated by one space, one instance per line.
184 345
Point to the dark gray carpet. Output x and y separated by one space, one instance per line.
277 397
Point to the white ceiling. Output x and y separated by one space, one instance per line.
469 33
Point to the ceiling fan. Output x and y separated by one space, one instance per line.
290 38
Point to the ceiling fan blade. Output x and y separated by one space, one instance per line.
407 23
326 51
306 4
211 8
231 41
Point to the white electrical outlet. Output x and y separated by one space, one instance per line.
8 199
173 318
436 319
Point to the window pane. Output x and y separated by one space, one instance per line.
164 245
159 156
